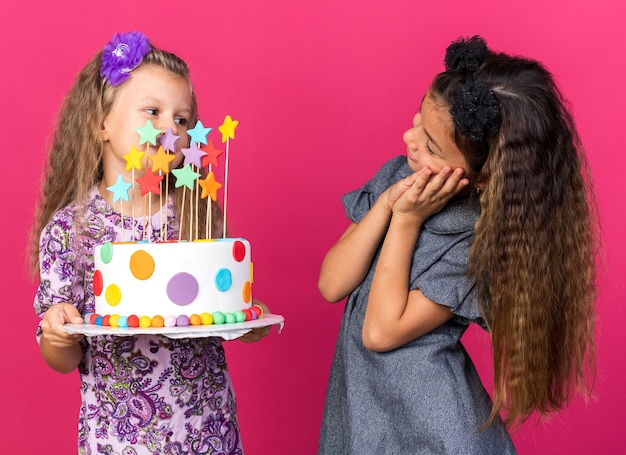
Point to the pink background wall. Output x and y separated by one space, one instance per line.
323 90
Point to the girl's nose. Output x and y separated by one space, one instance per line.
409 136
165 124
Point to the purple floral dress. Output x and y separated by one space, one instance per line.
145 394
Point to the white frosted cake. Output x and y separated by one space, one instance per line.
173 283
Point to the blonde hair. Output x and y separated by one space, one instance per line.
74 163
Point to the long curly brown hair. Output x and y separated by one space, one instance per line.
536 241
74 162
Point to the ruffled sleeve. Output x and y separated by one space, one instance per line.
441 255
358 203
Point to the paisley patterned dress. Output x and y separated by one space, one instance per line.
144 394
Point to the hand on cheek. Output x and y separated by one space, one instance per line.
430 193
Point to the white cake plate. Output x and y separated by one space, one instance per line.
225 331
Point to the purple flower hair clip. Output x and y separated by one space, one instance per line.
123 54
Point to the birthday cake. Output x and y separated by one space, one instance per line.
140 284
171 283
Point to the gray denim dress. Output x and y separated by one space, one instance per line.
424 397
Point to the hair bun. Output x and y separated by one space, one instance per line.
475 108
466 54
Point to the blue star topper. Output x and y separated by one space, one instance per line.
120 189
199 133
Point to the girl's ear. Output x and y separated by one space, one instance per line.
481 183
103 132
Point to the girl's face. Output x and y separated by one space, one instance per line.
430 141
150 93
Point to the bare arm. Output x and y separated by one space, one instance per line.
395 315
60 350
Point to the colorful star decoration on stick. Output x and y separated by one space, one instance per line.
212 154
199 133
150 183
168 140
209 186
133 158
148 133
120 189
201 153
228 128
185 176
193 155
161 161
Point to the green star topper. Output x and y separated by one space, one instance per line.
185 176
148 133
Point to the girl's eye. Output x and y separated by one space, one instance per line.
182 121
428 149
152 111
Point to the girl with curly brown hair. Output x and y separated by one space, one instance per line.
489 219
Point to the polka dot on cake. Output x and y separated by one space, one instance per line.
113 294
223 280
141 265
246 292
106 252
239 251
182 288
97 283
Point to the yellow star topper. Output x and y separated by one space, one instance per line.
209 186
133 158
228 128
161 161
